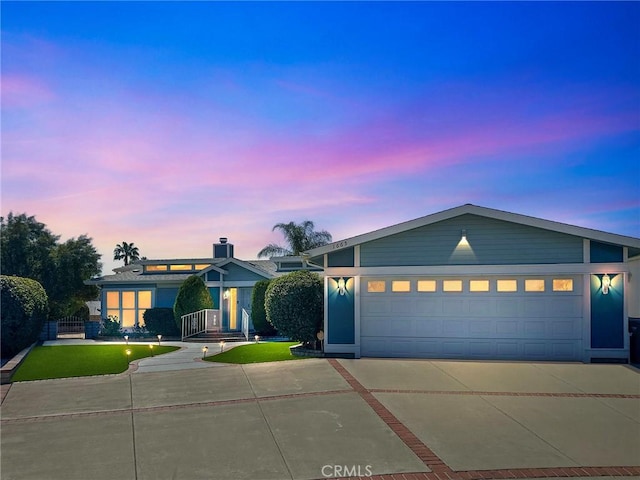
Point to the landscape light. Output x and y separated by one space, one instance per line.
159 338
221 346
204 351
126 339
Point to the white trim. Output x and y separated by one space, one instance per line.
586 250
520 269
483 212
586 317
356 256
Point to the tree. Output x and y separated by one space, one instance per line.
295 305
192 297
258 312
28 249
127 252
24 310
299 237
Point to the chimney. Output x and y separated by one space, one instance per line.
222 249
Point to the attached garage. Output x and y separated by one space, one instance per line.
491 317
479 283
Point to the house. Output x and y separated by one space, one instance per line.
479 283
154 283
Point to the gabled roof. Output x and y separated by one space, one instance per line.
482 212
134 273
252 266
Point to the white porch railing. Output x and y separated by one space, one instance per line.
246 320
199 322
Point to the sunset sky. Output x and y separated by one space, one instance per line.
172 124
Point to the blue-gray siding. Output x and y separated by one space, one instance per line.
166 297
490 242
239 274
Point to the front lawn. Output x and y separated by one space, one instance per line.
82 360
256 353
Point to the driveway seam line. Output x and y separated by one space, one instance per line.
133 431
510 394
214 403
264 417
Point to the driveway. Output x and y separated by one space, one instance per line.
322 418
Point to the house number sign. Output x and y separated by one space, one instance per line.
341 244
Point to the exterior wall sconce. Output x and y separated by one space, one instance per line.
606 284
342 286
225 295
204 351
463 236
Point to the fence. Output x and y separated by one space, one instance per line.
202 321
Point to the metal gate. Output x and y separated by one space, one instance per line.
71 327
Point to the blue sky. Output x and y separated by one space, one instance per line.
171 124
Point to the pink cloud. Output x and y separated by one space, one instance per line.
23 91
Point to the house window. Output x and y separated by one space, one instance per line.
507 285
180 267
452 285
534 285
128 306
563 285
156 268
202 267
401 286
376 286
426 285
478 285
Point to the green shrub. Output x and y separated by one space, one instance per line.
160 321
192 297
25 307
110 327
258 312
294 305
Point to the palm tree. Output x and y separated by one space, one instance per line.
127 251
300 238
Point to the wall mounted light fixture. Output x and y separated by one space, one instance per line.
606 284
225 295
463 236
342 286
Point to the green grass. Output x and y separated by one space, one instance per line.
81 360
256 353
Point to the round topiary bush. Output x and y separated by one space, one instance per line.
258 312
192 297
160 321
294 305
25 307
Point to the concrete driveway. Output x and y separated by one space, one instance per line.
318 418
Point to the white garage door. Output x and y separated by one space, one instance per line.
505 318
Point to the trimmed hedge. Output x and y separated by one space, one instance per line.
258 312
295 306
192 297
25 307
160 321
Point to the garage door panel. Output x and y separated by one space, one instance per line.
491 325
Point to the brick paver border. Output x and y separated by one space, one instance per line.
439 469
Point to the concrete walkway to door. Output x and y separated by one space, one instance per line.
319 418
